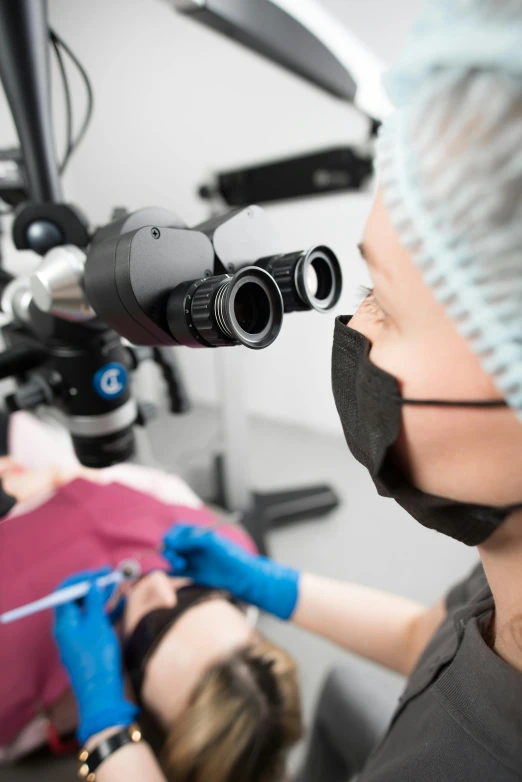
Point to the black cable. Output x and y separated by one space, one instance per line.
68 102
177 395
59 45
88 87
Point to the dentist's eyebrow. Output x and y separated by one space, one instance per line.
363 249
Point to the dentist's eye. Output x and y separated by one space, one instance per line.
361 293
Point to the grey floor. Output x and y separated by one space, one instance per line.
369 540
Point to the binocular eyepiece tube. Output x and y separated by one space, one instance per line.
307 280
243 309
247 308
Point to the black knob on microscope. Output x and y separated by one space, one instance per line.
31 394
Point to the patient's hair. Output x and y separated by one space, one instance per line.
243 716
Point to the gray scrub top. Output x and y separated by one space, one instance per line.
459 718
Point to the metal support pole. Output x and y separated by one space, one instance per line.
233 462
24 71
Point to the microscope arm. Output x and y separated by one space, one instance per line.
305 39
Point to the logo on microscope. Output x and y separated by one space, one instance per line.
110 381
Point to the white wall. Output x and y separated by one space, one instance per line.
174 101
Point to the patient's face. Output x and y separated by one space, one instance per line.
205 634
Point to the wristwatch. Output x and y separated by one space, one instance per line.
92 760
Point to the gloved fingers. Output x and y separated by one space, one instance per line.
69 615
93 575
179 565
115 613
181 531
177 529
66 616
187 538
94 601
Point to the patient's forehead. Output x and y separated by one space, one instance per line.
205 635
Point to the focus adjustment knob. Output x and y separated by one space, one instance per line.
282 268
204 313
31 394
243 309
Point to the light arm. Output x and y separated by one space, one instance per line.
306 40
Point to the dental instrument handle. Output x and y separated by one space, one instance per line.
66 595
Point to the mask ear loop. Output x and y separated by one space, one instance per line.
438 402
455 403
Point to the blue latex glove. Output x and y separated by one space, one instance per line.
212 561
90 651
107 591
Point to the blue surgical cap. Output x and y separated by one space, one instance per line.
450 167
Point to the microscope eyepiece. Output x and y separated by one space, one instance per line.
307 280
244 309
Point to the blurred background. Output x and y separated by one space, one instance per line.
174 102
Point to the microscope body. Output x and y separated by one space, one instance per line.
134 266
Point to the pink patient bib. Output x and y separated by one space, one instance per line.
85 525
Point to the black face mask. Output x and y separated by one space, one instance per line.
369 403
152 628
145 639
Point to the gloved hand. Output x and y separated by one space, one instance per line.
90 651
212 561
